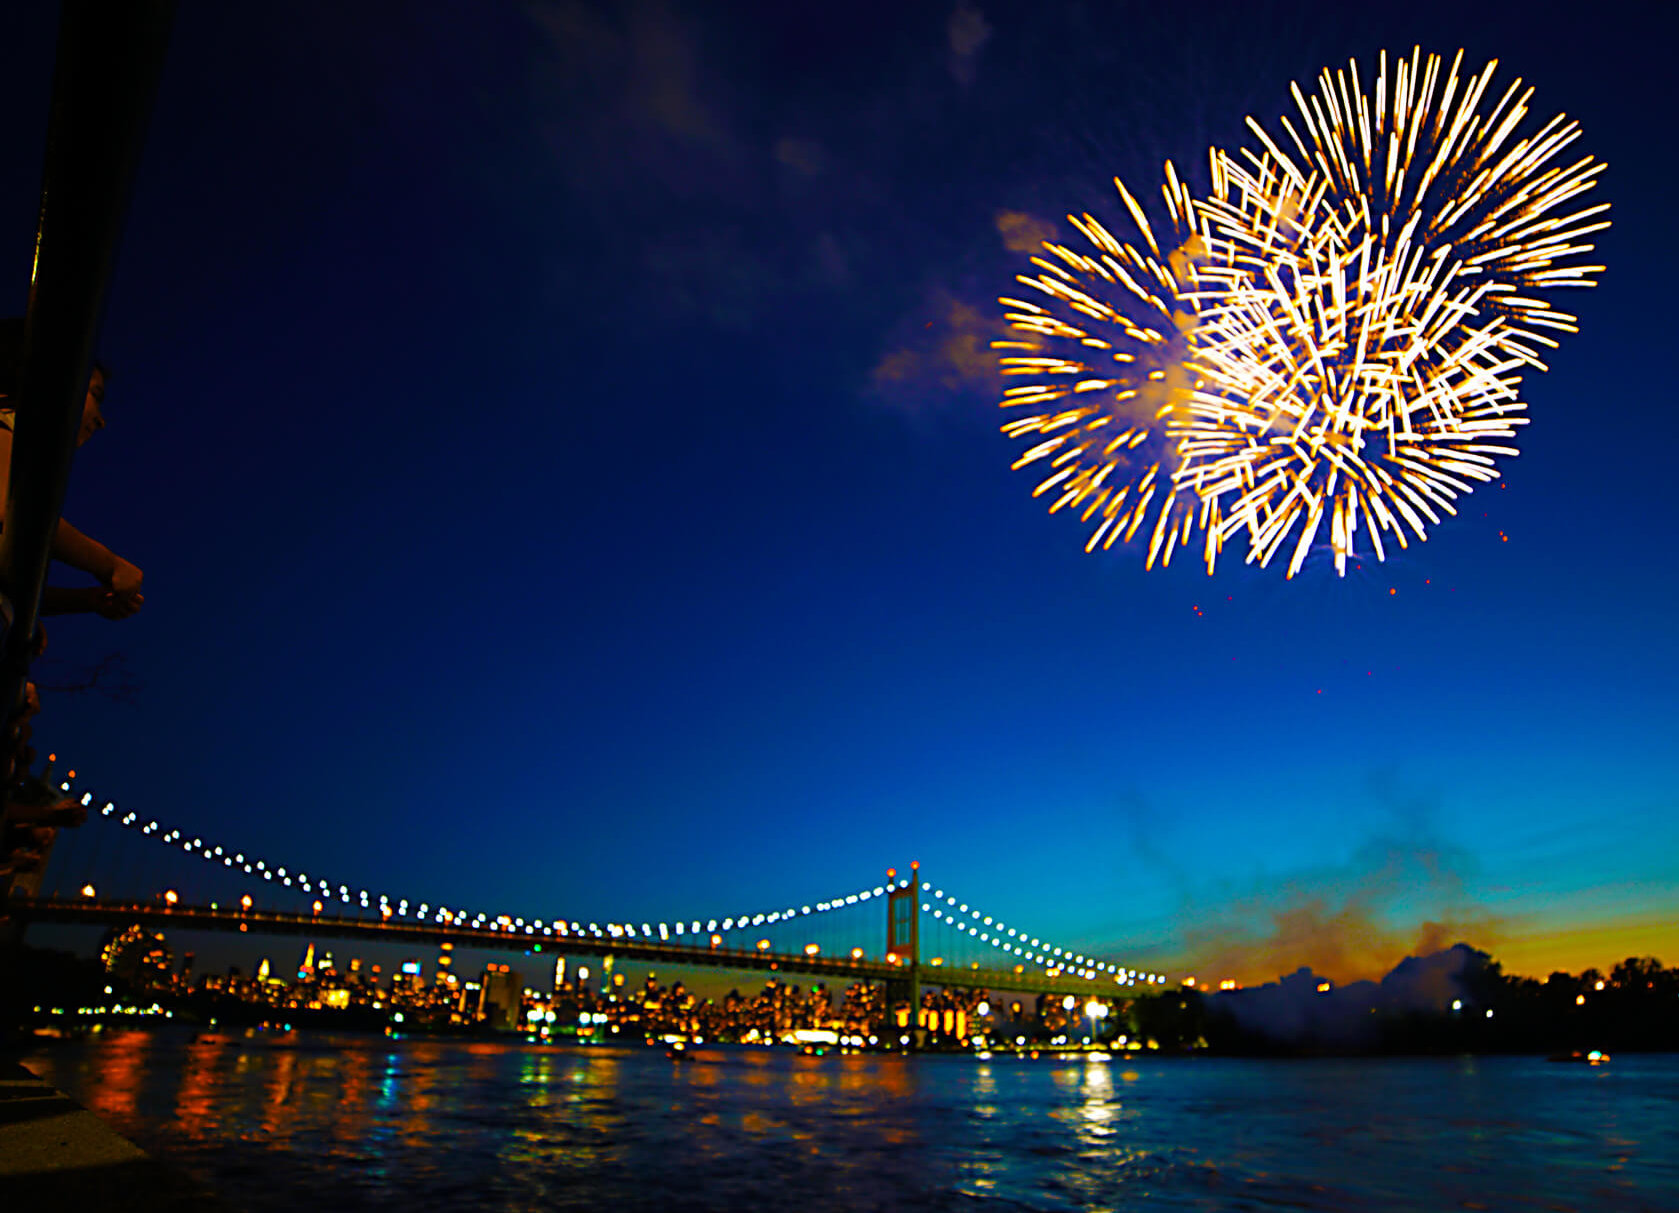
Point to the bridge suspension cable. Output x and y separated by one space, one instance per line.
944 907
297 879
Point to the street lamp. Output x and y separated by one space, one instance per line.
1095 1012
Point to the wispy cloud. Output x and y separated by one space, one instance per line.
640 73
968 31
950 356
1023 233
949 351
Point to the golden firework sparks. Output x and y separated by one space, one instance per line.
1397 273
1339 336
1108 341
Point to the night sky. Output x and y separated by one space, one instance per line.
563 453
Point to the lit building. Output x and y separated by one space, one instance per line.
498 999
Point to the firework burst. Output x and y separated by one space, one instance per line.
1109 342
1355 319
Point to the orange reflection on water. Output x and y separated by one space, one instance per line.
355 1090
122 1063
278 1109
195 1101
415 1096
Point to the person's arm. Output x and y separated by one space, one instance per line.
67 600
80 552
92 599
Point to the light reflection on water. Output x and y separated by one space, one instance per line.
286 1121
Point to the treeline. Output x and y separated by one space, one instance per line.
1457 1001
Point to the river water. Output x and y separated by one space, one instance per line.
301 1121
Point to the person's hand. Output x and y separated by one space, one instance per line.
125 578
119 606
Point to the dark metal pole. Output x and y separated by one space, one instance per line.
110 57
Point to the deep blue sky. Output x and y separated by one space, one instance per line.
498 414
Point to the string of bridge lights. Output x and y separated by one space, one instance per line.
1014 942
942 906
404 908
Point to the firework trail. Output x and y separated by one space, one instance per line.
1358 315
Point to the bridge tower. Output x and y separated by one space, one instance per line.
903 944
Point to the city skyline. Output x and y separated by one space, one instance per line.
563 450
1453 1000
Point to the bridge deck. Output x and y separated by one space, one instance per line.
624 948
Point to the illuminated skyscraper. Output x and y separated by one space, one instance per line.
306 969
498 1001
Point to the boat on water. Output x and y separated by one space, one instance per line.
1592 1057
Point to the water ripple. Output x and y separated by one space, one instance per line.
424 1126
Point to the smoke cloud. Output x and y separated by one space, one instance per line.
1402 893
1306 1008
952 353
1023 233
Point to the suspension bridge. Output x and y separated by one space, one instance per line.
122 868
109 61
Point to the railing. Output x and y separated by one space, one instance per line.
110 57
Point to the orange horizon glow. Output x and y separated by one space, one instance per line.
1534 952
